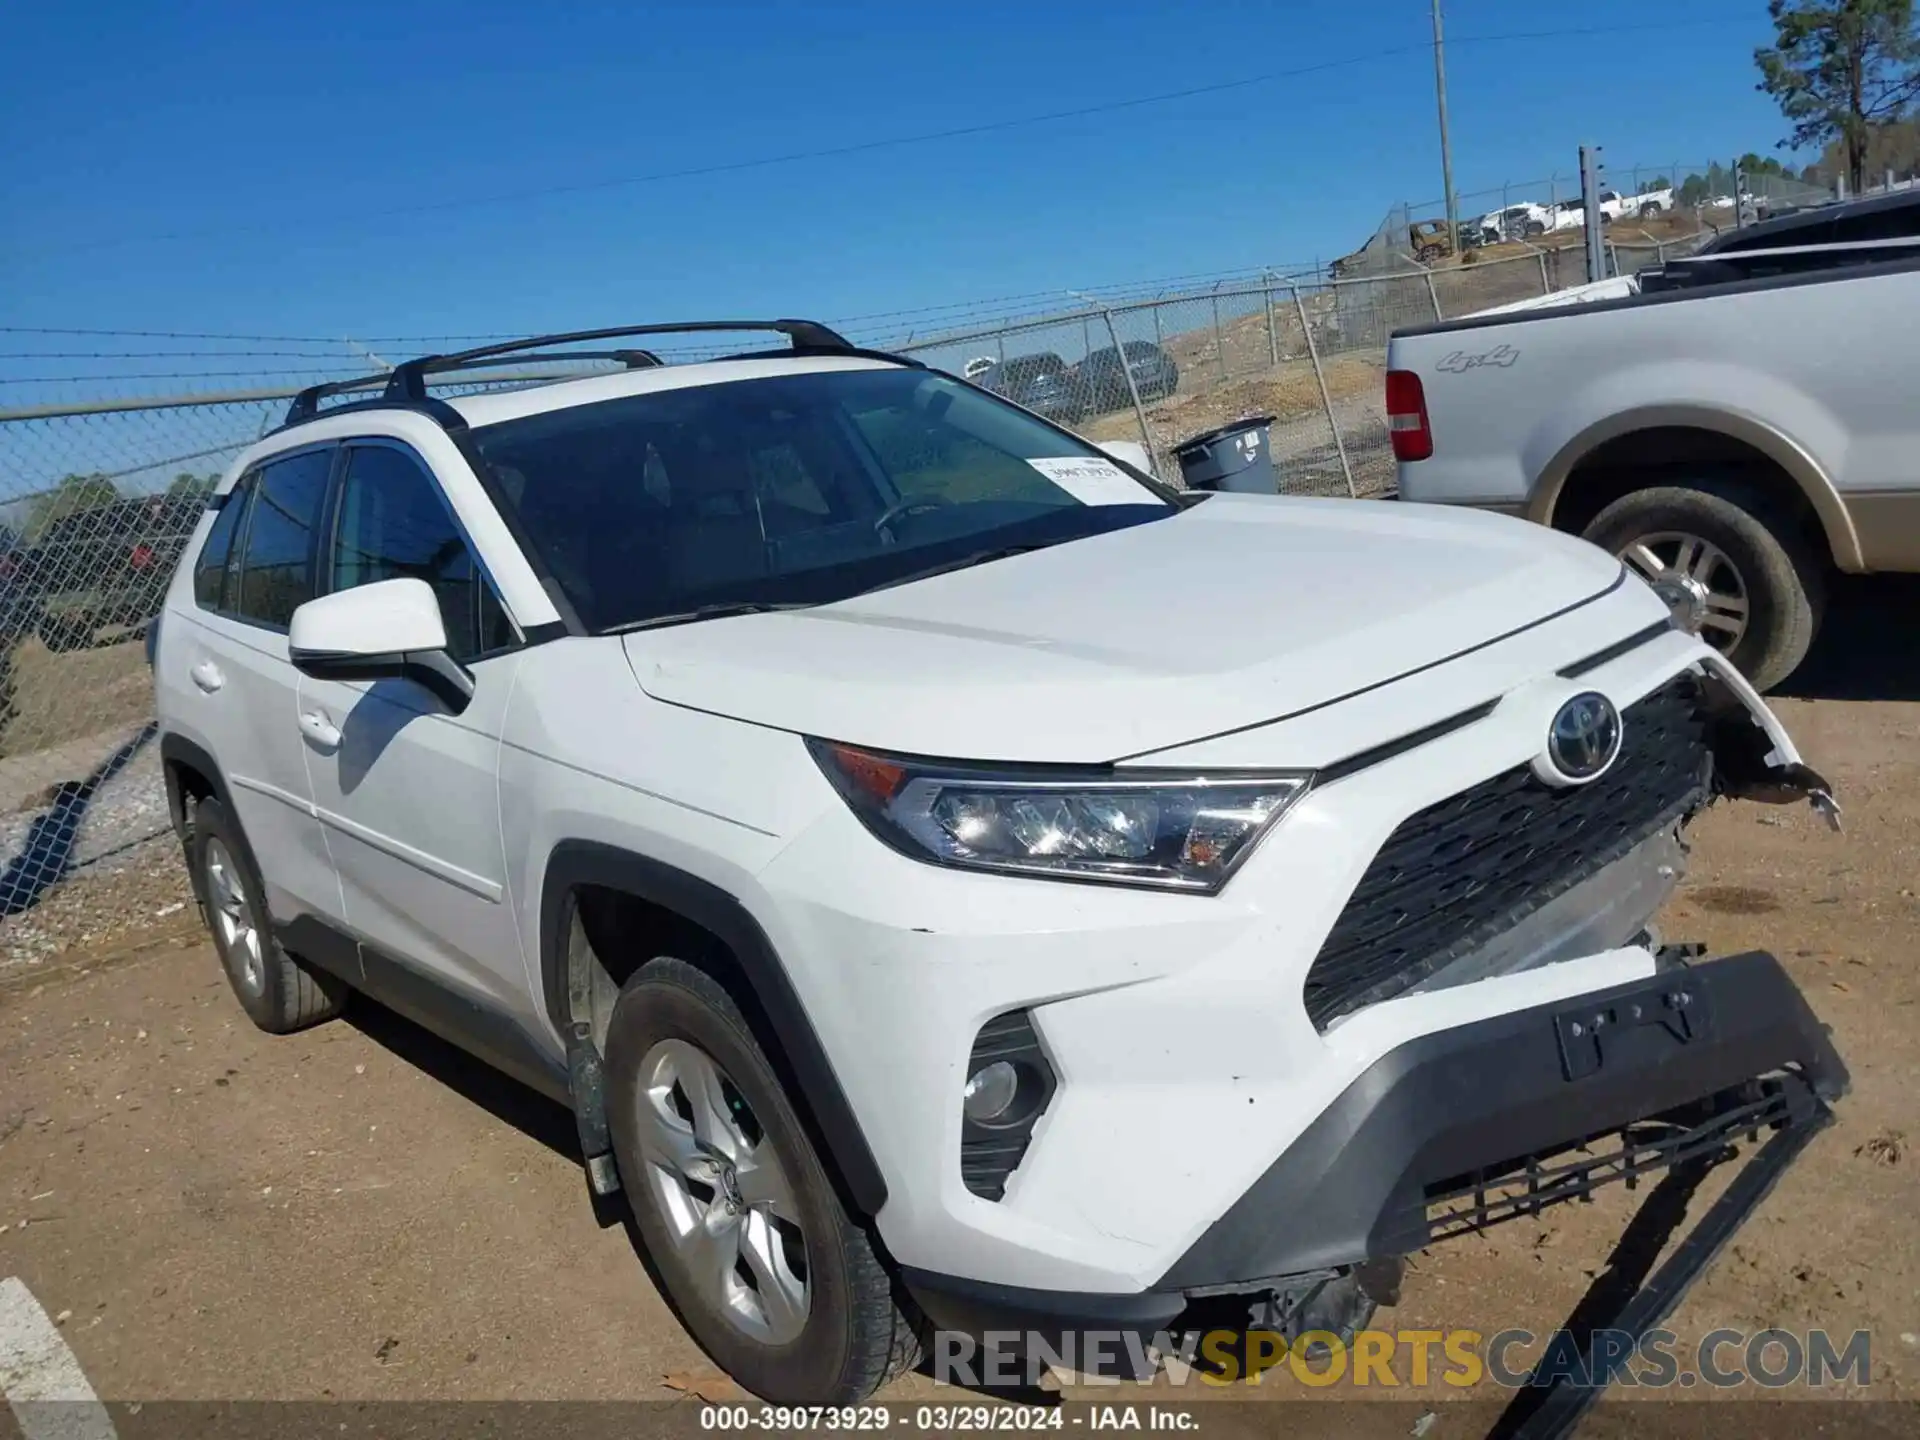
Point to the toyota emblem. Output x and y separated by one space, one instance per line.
1584 738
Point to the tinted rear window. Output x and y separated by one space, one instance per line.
276 573
210 569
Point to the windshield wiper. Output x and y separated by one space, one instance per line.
715 611
965 562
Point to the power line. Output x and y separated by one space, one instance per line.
260 339
342 369
864 147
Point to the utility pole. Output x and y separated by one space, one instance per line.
1446 145
1590 177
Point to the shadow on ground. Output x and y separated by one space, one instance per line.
46 858
501 1096
1869 644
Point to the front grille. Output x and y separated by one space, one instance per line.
1460 872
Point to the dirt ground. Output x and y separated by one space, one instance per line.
359 1212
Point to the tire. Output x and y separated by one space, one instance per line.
851 1335
279 992
1781 574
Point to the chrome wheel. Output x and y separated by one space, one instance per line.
725 1201
233 916
1703 589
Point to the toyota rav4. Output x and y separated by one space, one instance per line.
803 766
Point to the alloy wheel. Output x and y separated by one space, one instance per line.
233 915
725 1200
1703 589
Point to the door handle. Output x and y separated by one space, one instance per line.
207 676
321 732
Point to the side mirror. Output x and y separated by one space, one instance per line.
390 630
1130 453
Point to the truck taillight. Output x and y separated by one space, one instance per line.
1407 416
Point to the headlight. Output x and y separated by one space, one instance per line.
1165 830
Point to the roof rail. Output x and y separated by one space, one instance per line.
306 405
406 383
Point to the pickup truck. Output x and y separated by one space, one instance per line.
1735 425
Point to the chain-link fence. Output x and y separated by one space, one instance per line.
1308 350
96 505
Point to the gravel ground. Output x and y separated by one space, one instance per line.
88 855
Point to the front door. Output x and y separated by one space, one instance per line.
406 792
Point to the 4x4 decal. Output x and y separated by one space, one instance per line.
1459 362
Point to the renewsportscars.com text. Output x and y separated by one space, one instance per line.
1389 1359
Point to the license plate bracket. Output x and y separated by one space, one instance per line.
1631 1027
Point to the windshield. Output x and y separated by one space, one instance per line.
795 489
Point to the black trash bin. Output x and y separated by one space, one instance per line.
1235 457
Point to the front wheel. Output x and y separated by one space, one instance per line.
1732 568
777 1282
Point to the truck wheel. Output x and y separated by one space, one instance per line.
1732 568
777 1282
279 993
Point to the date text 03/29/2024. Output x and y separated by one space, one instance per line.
938 1418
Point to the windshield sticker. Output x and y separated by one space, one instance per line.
1094 482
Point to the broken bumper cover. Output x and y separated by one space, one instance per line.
1464 1128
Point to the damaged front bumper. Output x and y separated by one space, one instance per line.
1464 1129
1753 756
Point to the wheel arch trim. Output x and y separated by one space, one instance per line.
574 863
1792 458
177 753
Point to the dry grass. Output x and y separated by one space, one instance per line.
47 699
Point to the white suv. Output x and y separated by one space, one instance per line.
955 880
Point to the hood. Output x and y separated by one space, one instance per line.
1239 611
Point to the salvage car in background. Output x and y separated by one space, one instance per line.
1043 383
1104 383
101 568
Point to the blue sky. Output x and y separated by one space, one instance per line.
257 167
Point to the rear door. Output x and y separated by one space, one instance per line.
232 688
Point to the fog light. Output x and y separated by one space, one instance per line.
990 1092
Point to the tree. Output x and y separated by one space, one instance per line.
1752 164
73 494
1839 69
1894 146
1659 182
187 483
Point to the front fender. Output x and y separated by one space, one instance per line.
1753 756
